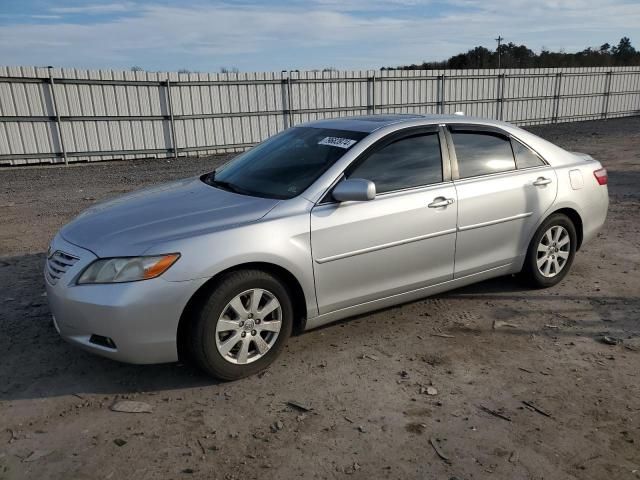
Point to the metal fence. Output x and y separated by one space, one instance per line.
66 115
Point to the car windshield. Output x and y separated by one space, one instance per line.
286 164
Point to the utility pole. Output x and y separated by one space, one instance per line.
499 40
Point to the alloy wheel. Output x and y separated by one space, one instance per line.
248 326
553 251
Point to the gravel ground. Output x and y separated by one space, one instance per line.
427 390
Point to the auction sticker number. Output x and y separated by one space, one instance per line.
337 142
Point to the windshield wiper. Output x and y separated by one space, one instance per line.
224 185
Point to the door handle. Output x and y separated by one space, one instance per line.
541 181
441 202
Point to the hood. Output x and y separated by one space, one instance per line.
131 224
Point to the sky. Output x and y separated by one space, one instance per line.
251 35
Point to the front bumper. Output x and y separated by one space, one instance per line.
140 317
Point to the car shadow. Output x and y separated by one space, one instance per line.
36 363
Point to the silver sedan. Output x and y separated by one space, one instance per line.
323 221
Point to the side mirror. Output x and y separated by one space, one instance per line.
354 189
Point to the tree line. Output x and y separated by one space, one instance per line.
520 56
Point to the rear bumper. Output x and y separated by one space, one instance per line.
141 318
595 213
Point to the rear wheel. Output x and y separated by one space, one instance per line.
551 252
243 325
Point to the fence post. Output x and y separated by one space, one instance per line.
372 87
556 96
500 99
289 100
607 94
441 100
174 139
286 99
56 112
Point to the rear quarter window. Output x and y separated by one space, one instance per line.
525 157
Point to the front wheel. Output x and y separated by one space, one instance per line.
243 325
551 252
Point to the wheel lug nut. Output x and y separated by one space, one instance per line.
241 323
257 321
243 334
251 315
253 333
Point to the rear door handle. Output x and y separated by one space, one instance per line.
441 202
542 181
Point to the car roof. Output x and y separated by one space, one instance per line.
371 123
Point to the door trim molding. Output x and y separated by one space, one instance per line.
383 246
494 222
409 296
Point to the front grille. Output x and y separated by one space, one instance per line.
58 264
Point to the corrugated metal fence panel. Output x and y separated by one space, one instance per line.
103 114
29 100
225 110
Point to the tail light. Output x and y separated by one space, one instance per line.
601 176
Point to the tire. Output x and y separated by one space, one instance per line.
552 253
217 325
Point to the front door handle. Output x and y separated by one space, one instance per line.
541 181
441 202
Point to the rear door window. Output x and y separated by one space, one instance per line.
482 153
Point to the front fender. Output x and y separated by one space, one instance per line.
284 242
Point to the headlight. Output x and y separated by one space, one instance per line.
127 269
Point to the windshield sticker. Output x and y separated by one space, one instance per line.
337 142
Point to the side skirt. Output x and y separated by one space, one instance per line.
410 296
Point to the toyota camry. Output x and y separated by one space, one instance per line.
323 221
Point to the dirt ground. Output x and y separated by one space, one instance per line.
365 380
